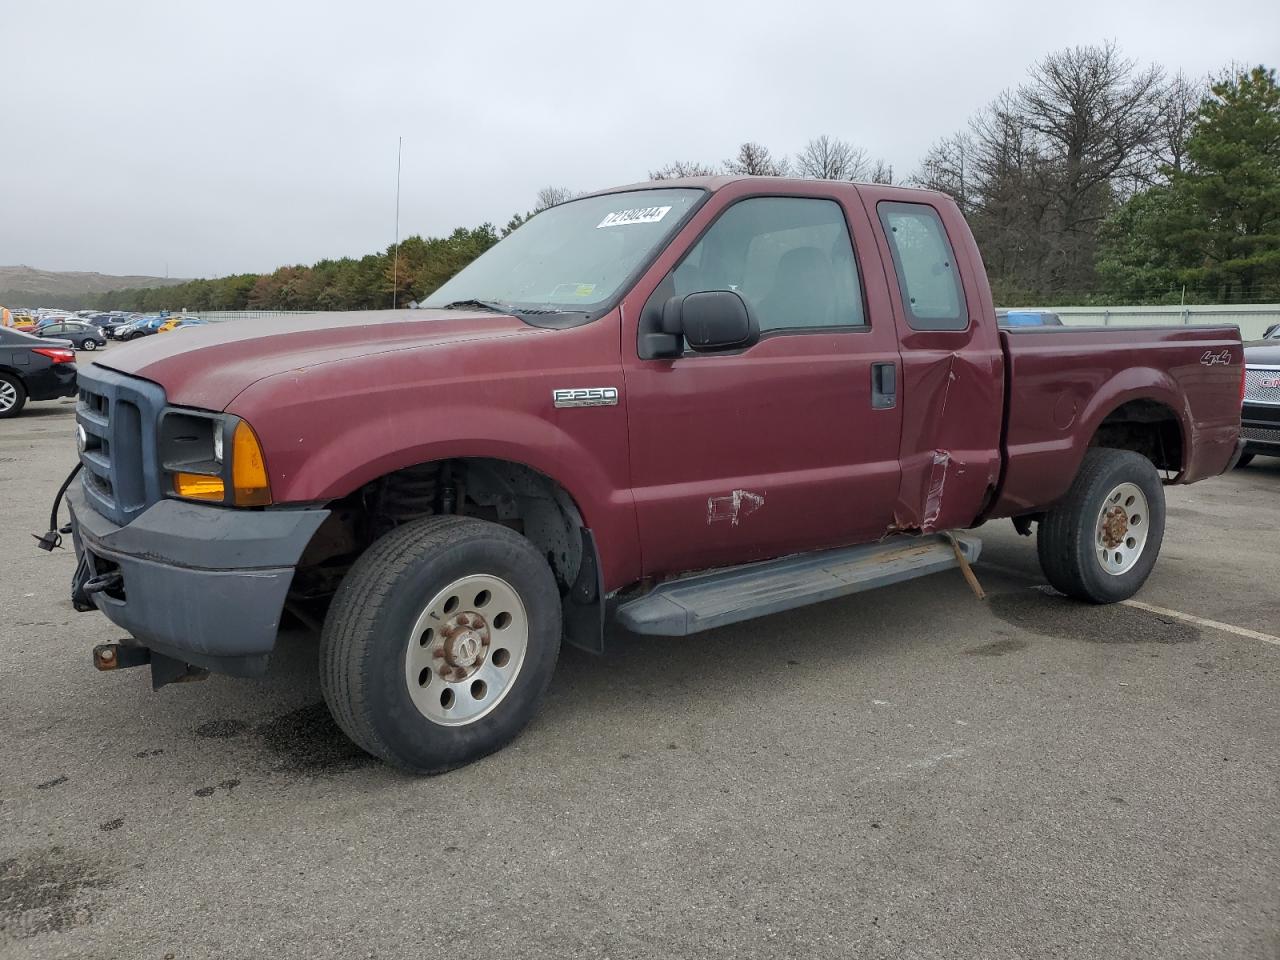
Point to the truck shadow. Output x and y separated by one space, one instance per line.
637 676
641 681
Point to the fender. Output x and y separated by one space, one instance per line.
1044 448
328 430
1135 383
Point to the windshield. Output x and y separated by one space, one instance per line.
572 258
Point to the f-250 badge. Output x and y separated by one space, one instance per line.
585 396
1211 359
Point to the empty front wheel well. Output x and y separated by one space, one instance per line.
512 494
1147 427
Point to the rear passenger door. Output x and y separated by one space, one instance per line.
953 369
781 447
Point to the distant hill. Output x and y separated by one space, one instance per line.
24 286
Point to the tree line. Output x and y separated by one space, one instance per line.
1099 181
1095 180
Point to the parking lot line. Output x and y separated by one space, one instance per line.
1203 622
1161 611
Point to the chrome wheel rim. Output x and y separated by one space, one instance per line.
1121 531
466 650
8 395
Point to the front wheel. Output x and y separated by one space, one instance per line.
89 345
1245 460
440 642
1101 541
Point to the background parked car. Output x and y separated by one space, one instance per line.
1260 418
33 368
84 336
188 322
144 327
121 330
106 322
1028 318
49 319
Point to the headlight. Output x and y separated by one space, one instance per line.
193 455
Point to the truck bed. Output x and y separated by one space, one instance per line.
1061 383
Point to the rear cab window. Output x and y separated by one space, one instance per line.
925 264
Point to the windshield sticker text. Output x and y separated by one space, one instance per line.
636 215
573 290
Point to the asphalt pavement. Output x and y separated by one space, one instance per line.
909 773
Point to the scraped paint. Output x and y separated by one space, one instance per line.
733 507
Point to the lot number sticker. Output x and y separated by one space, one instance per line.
638 215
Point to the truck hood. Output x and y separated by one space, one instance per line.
208 366
1262 351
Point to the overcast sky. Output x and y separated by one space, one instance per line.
219 137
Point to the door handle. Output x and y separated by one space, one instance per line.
884 386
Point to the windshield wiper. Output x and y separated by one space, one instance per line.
482 304
508 308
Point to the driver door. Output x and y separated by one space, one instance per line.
786 446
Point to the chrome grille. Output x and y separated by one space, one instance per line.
118 415
1262 384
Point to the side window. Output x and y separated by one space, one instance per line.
926 267
789 257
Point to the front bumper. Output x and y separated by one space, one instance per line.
201 584
1260 427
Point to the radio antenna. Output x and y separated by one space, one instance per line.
395 262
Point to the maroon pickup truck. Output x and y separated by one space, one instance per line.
673 406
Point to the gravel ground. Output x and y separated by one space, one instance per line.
909 773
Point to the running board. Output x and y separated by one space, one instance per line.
706 600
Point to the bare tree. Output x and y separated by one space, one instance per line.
755 160
830 158
948 168
550 196
1097 112
881 172
1042 166
683 168
1179 101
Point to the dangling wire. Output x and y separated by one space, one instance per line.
52 540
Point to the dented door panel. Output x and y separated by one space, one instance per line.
952 391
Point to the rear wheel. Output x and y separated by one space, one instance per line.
13 396
1100 543
440 642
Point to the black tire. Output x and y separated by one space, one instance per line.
88 344
15 408
367 634
1245 460
1067 536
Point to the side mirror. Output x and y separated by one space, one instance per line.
711 321
1270 331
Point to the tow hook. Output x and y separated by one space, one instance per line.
164 670
102 582
117 656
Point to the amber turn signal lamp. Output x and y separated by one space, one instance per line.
248 469
195 486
